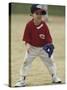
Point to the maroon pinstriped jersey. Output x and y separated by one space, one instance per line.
37 35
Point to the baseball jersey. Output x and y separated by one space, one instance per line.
37 35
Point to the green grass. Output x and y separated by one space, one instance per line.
56 10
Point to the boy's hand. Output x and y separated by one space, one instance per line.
27 47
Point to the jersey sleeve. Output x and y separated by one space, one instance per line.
48 36
26 35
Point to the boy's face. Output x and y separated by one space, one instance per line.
37 15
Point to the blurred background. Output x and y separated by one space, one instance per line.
19 8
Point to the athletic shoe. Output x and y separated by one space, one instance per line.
56 80
20 84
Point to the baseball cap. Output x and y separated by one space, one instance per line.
37 7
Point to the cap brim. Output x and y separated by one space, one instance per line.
43 12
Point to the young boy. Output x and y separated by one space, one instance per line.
38 42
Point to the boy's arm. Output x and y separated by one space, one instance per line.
26 35
48 36
48 47
27 46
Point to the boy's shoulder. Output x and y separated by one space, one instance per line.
43 22
29 23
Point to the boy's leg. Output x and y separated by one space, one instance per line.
29 57
25 70
50 65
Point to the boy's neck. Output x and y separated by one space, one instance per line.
37 22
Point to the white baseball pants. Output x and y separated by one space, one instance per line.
31 55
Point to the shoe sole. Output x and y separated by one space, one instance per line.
59 82
21 86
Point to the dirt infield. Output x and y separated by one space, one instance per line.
39 74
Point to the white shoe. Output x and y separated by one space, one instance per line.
20 84
56 80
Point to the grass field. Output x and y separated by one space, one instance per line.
39 74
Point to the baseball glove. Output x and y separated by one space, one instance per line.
49 48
